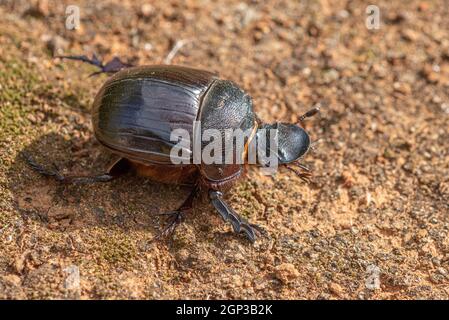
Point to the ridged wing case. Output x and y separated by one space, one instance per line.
136 110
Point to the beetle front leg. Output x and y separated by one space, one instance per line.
110 67
229 215
115 171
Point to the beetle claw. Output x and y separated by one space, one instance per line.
55 173
41 169
174 219
112 66
304 176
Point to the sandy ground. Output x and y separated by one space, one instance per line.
373 224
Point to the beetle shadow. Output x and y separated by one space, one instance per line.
128 202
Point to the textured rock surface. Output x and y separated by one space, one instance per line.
373 224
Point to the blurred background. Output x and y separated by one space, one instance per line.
374 222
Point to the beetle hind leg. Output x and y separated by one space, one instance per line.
119 167
228 214
110 67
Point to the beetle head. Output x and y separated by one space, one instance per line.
293 141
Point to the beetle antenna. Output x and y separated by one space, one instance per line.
310 113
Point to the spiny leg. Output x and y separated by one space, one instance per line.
117 169
229 215
175 217
112 66
303 175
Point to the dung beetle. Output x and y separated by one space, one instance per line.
136 110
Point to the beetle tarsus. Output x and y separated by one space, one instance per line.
112 66
176 217
228 214
304 176
54 173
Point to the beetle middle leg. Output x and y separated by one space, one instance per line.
112 66
118 168
175 217
228 214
